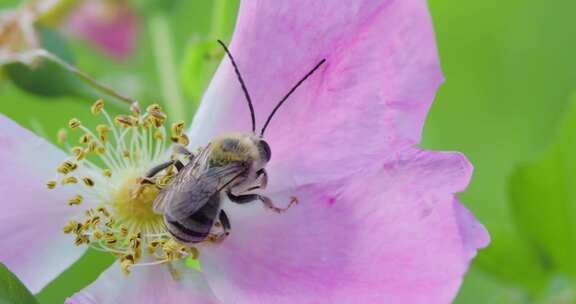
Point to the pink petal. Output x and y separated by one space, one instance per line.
151 284
390 234
32 243
369 100
111 26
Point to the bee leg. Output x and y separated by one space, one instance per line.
262 176
225 222
180 149
155 170
248 198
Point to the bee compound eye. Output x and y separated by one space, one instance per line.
266 152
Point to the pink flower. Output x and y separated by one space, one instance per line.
377 221
111 25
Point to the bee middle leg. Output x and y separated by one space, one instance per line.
248 198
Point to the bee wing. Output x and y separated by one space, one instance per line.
187 175
192 187
196 194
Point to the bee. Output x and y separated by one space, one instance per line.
230 165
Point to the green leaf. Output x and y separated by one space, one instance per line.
48 78
12 290
543 199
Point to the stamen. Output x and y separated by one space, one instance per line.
67 167
107 173
124 224
74 123
76 200
78 152
97 107
69 180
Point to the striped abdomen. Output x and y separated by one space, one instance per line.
196 227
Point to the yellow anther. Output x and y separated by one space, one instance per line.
123 230
107 173
135 108
97 107
51 184
177 128
110 222
62 134
103 131
126 154
88 181
94 221
170 249
86 138
81 239
92 146
154 244
183 140
157 116
110 238
98 234
78 152
126 121
126 262
67 167
104 211
69 180
155 110
101 150
71 226
74 123
76 200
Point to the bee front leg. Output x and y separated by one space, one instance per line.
248 198
155 170
262 178
179 149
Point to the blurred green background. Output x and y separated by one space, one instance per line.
510 78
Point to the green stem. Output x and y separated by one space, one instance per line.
166 66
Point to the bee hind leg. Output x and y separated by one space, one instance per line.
248 198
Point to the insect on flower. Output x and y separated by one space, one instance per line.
232 164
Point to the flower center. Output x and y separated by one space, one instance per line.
119 217
133 205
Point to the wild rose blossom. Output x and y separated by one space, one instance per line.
110 25
377 221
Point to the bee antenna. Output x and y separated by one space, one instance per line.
290 93
244 89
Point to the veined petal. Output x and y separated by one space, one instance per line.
32 243
146 285
390 234
369 99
